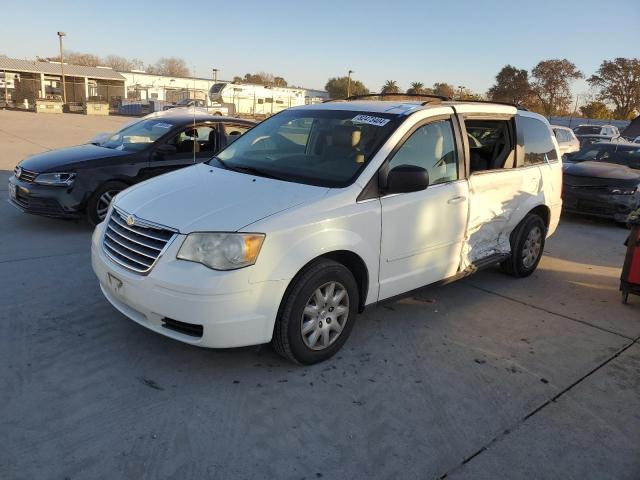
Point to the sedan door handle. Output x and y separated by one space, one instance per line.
459 199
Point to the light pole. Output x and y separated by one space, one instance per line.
461 89
215 75
349 83
64 89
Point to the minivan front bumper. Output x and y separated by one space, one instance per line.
188 302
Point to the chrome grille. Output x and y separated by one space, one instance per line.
134 243
25 175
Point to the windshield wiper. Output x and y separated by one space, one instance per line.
249 170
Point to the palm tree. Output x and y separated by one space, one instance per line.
417 88
390 86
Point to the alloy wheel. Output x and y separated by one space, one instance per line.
531 248
104 202
325 315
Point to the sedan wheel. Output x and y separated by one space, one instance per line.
102 207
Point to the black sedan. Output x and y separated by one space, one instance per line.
601 189
623 153
82 180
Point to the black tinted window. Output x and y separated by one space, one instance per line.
537 141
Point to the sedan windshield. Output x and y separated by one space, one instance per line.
318 147
138 136
587 130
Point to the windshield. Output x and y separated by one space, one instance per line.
605 153
319 147
587 130
138 136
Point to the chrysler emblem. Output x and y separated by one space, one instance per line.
18 172
131 220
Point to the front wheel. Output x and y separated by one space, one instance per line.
98 204
317 313
527 245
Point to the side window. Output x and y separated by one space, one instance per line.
538 146
431 147
200 140
491 144
232 131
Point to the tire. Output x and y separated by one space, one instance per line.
95 206
321 317
525 257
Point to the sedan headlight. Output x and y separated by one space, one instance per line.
622 190
222 251
56 179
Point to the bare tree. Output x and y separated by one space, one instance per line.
121 63
551 84
75 58
170 66
618 82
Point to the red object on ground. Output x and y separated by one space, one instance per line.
630 278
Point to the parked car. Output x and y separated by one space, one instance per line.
621 153
322 210
82 180
567 140
602 189
198 103
596 133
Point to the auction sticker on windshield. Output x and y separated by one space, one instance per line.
370 120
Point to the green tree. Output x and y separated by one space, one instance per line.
596 109
512 86
444 89
417 88
550 84
618 82
390 86
337 87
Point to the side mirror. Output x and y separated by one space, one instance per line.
165 150
407 178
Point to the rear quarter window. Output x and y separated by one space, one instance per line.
537 143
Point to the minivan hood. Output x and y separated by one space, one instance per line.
205 198
68 158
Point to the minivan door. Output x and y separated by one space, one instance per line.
423 232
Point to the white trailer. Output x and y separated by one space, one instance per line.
241 98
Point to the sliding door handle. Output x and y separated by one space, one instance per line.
459 199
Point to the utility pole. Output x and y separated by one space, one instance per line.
349 84
215 75
461 89
6 98
64 88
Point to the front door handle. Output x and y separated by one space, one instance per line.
459 199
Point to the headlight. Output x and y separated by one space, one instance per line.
622 190
222 251
58 179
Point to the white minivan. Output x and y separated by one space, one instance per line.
322 210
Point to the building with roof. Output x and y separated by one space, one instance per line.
30 80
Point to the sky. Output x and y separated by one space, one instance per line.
464 43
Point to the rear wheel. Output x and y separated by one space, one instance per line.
527 245
317 313
98 204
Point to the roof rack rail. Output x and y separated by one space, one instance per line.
517 105
431 98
